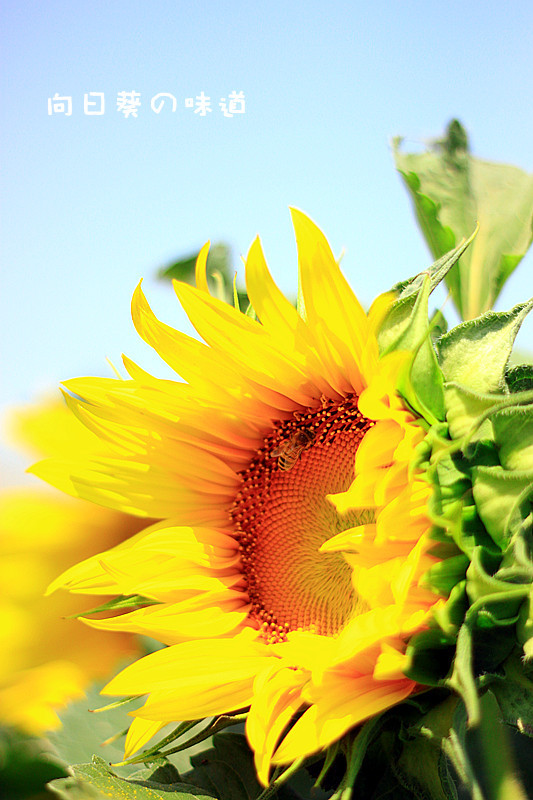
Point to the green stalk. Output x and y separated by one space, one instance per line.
491 755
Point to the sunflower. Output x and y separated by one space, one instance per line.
48 660
288 571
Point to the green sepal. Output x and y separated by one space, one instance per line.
464 410
450 616
119 603
502 500
462 678
475 353
524 627
430 655
452 506
438 325
423 388
513 433
483 643
480 754
484 584
447 573
398 317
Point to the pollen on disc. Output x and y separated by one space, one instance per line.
282 516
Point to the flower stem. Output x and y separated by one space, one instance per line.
491 755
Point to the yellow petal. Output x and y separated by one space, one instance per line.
328 296
201 268
343 702
189 667
139 733
277 697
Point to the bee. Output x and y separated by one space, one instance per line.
289 451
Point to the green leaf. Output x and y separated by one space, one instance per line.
475 353
75 789
451 191
96 780
454 747
377 778
83 733
163 775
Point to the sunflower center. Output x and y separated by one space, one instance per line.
282 516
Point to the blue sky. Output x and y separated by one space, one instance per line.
93 203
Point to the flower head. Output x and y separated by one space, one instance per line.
289 571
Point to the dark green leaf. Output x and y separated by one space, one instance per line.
182 270
520 378
218 261
26 764
227 769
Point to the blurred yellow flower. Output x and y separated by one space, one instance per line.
288 570
48 660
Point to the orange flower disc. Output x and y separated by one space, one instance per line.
283 517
